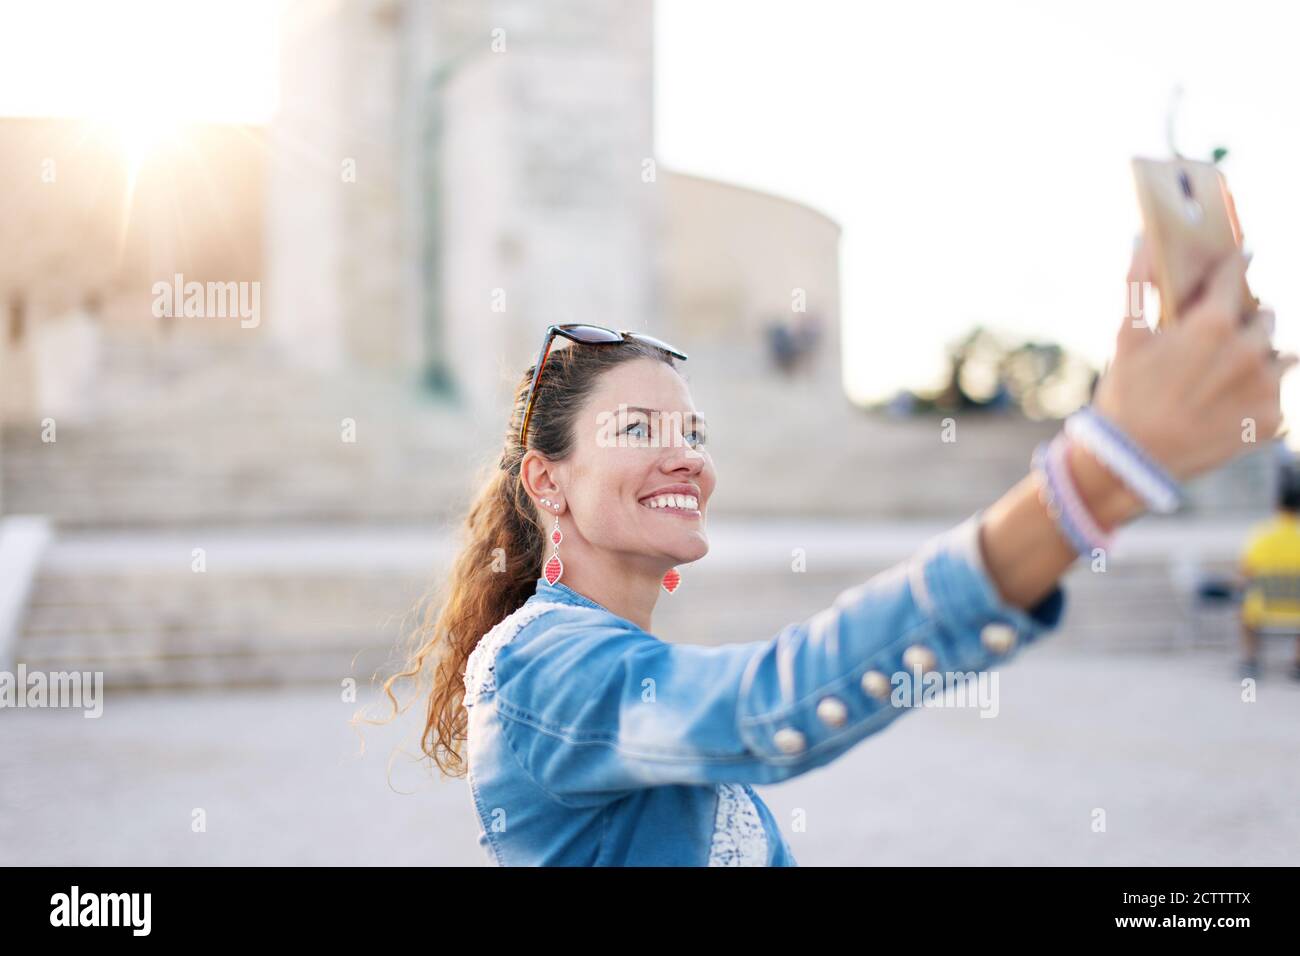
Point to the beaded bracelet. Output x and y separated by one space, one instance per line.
1062 500
1125 459
1068 494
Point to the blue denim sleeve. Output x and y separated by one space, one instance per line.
592 710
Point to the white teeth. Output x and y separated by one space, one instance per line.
686 502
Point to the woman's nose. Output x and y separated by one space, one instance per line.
681 454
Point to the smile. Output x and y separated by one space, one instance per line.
687 506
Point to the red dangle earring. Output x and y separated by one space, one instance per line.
671 580
554 567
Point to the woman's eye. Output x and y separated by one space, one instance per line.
700 438
635 425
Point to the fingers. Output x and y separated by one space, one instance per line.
1246 375
1242 359
1219 306
1257 332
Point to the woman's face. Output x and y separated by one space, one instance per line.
626 458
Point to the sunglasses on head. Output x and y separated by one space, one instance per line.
584 335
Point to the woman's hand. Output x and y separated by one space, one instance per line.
1188 395
1204 391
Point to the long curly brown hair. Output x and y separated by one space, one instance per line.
504 545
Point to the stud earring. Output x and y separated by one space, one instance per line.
671 579
554 567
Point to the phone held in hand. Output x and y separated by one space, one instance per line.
1190 222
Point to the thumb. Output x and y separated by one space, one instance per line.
1220 300
1140 267
1134 330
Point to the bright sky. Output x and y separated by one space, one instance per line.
144 62
976 154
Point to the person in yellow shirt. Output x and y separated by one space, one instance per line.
1270 576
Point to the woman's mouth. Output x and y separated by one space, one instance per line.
685 506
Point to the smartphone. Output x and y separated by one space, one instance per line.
1190 221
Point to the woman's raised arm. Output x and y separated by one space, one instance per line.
1192 397
593 707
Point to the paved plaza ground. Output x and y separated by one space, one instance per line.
1185 771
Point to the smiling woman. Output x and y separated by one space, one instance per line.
588 740
585 738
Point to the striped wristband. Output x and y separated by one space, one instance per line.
1062 499
1125 459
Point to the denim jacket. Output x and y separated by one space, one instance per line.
593 742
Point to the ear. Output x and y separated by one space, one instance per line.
540 477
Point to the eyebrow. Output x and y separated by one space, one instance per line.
695 416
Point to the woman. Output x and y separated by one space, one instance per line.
587 740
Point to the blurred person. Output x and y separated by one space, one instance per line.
1269 577
588 739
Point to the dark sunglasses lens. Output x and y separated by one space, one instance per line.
591 334
656 343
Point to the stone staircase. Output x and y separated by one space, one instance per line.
294 604
221 434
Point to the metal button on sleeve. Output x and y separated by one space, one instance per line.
918 657
832 711
998 637
788 740
876 684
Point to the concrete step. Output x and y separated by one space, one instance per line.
322 603
244 440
